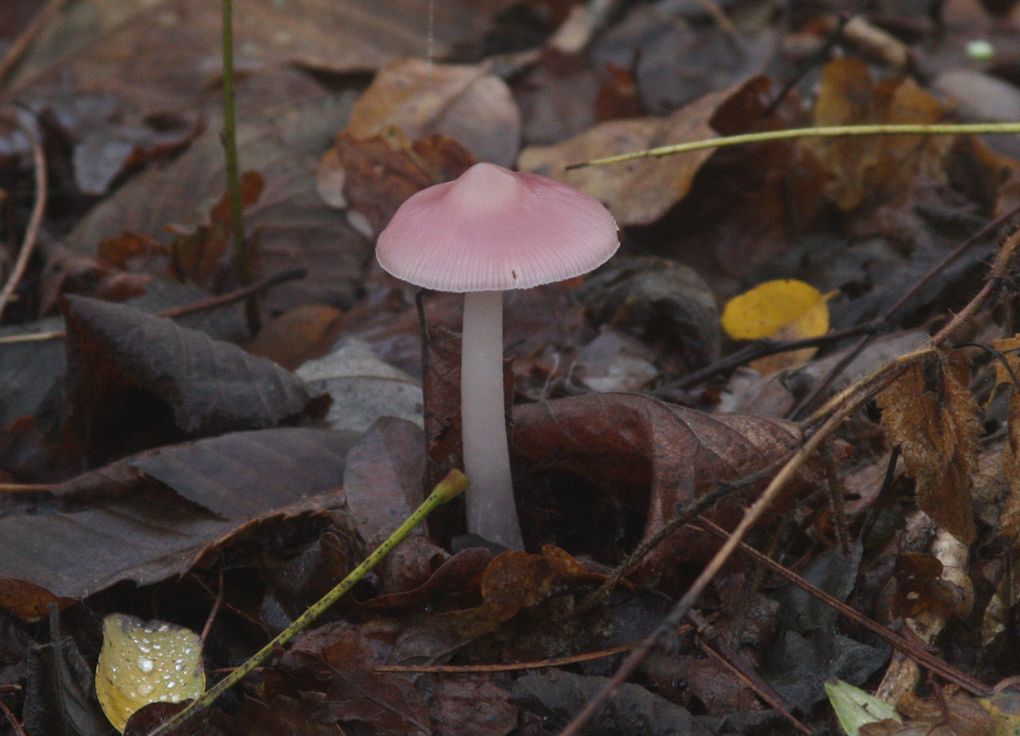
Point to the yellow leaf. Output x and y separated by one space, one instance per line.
785 307
146 662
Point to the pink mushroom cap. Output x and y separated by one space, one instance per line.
494 229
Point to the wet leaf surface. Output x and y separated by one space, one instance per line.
119 358
171 506
111 504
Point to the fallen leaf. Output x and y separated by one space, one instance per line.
855 708
144 662
58 688
471 706
466 103
197 252
363 387
382 171
383 486
168 508
879 169
298 335
937 433
116 352
289 226
652 455
558 695
636 192
784 309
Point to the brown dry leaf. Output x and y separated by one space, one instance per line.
636 192
382 171
127 369
466 103
289 226
297 336
1009 519
160 57
471 705
170 507
382 482
627 444
515 580
937 434
197 252
875 169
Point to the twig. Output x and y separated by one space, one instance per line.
451 669
886 319
18 729
215 608
35 219
713 645
241 254
905 644
445 491
173 312
832 131
831 416
24 40
25 487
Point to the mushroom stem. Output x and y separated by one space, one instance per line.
491 512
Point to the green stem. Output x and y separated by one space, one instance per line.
241 255
834 131
446 490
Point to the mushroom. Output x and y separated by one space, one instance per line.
490 230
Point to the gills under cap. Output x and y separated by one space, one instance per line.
494 229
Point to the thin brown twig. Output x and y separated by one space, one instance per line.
202 305
31 235
217 602
883 321
831 416
12 719
24 40
453 669
910 647
25 487
721 653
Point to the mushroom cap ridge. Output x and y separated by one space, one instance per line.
494 229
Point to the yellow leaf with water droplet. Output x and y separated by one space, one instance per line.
145 662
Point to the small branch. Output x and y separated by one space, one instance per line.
35 219
833 131
242 257
450 669
830 417
173 312
910 647
445 491
24 41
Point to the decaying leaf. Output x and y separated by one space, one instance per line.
855 708
382 171
169 507
144 662
637 192
115 353
882 168
290 226
937 432
628 444
466 103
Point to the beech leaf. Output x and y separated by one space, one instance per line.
211 386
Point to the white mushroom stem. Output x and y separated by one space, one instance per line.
491 512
